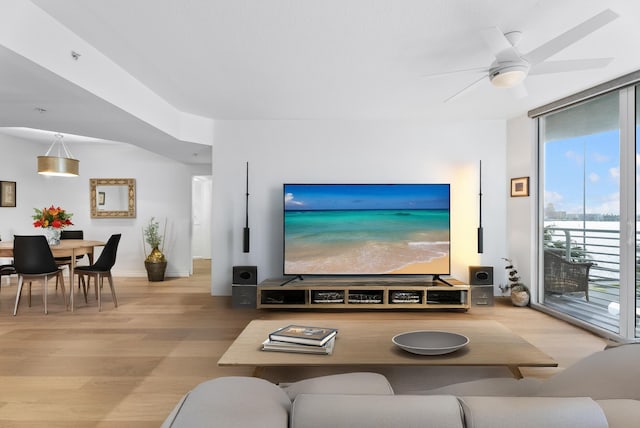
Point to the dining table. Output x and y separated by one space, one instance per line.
66 248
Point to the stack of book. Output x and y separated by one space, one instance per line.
302 339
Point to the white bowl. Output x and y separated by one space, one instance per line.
429 342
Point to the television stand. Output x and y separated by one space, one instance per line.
298 277
363 293
437 278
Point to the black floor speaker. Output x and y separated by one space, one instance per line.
481 275
243 296
243 288
245 275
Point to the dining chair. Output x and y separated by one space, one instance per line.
70 234
6 270
99 270
66 261
34 261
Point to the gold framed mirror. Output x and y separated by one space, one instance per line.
112 197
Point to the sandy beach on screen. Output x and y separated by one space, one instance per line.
370 258
440 264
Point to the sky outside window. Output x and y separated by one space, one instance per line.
583 173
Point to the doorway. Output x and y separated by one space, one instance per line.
201 188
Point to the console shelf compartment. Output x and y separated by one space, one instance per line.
363 293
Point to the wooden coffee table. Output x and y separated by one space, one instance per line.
368 343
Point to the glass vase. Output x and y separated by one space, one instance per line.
52 234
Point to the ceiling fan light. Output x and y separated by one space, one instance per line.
508 76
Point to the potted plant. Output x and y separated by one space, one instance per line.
155 262
519 292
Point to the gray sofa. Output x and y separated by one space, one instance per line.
603 390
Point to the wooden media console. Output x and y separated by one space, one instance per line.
363 293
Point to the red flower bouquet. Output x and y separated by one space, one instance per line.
56 218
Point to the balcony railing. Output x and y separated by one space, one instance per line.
600 247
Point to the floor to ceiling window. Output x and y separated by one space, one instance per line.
581 149
637 213
589 200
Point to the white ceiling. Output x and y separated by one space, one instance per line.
305 59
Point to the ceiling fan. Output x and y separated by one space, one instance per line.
510 67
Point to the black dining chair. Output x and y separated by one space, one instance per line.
99 270
33 261
6 270
70 234
66 261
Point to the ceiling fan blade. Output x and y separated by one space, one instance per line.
462 70
548 67
465 89
571 36
499 45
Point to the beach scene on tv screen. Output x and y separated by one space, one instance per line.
366 229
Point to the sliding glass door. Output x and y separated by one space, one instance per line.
636 299
580 148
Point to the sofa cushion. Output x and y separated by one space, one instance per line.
348 383
412 380
490 387
532 412
621 413
375 411
231 402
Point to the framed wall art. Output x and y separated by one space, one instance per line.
520 186
7 193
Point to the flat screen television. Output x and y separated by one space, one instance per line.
367 229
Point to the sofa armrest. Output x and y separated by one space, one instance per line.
230 402
621 413
375 411
168 422
604 375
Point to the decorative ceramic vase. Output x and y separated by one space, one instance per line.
156 264
519 297
52 234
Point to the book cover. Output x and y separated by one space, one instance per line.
305 335
272 345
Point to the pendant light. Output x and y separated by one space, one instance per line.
62 165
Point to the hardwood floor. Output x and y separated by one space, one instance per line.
128 366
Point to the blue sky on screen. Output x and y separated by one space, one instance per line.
365 196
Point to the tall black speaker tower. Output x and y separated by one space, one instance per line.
480 233
245 231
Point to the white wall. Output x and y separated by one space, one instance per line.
521 162
163 190
354 152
